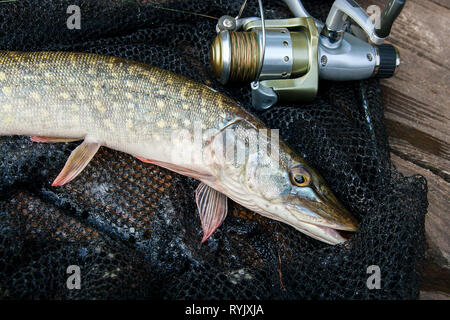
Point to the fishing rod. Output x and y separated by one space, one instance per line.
283 59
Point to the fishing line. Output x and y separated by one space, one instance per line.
188 12
167 9
241 10
263 44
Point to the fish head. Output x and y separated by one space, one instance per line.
287 189
277 183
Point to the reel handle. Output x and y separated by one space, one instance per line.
388 16
342 9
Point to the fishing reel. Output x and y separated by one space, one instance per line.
284 58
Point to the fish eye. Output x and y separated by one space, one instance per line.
300 177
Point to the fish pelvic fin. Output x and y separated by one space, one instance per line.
212 207
78 160
52 139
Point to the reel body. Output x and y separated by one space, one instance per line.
283 59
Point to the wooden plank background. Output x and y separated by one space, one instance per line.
417 112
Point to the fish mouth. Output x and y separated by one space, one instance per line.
323 215
325 234
327 220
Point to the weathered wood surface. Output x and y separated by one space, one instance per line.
417 118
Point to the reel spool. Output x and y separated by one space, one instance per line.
235 56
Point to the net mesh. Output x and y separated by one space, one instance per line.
133 228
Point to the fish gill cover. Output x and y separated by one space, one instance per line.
133 228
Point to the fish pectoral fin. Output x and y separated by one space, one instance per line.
78 160
212 207
52 139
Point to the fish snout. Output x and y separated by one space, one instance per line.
340 218
334 214
323 210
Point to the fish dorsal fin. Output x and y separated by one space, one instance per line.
212 207
78 160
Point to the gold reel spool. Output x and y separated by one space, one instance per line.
235 56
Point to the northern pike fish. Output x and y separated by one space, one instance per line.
155 115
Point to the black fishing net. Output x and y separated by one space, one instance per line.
133 229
